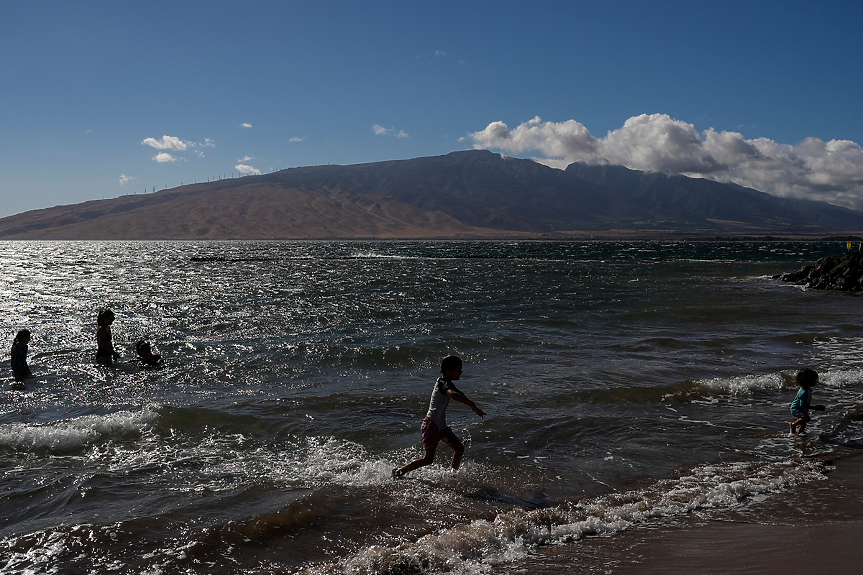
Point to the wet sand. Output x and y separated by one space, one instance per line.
753 548
815 529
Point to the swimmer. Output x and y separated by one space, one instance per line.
146 355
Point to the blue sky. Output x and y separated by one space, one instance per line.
102 99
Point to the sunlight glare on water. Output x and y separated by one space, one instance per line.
623 381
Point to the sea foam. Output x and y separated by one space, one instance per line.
72 434
745 384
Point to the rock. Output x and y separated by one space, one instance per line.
837 273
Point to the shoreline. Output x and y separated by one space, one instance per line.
814 528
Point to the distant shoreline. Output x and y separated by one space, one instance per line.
570 236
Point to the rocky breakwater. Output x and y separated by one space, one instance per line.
839 273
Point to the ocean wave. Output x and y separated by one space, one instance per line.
745 384
841 378
377 255
76 433
748 384
478 546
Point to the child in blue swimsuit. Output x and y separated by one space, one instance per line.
800 407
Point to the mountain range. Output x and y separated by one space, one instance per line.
468 194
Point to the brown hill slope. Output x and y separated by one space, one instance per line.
252 211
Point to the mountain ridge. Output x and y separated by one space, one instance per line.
466 194
711 199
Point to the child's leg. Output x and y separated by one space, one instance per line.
798 426
428 459
457 446
456 457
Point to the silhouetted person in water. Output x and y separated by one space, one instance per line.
146 355
20 369
105 353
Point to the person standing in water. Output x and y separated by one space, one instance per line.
20 369
105 353
800 407
434 427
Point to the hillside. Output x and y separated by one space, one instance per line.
715 201
469 194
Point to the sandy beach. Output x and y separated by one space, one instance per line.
814 529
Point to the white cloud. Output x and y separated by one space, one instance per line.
167 143
175 145
439 53
296 139
556 163
381 131
245 125
164 157
244 169
246 159
830 171
124 178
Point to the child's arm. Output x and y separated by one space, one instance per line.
462 398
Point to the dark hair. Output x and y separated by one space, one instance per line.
21 333
806 377
141 345
449 363
101 319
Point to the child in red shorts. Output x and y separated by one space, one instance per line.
434 425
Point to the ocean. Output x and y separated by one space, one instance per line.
629 387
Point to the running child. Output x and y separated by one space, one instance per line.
800 407
434 427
